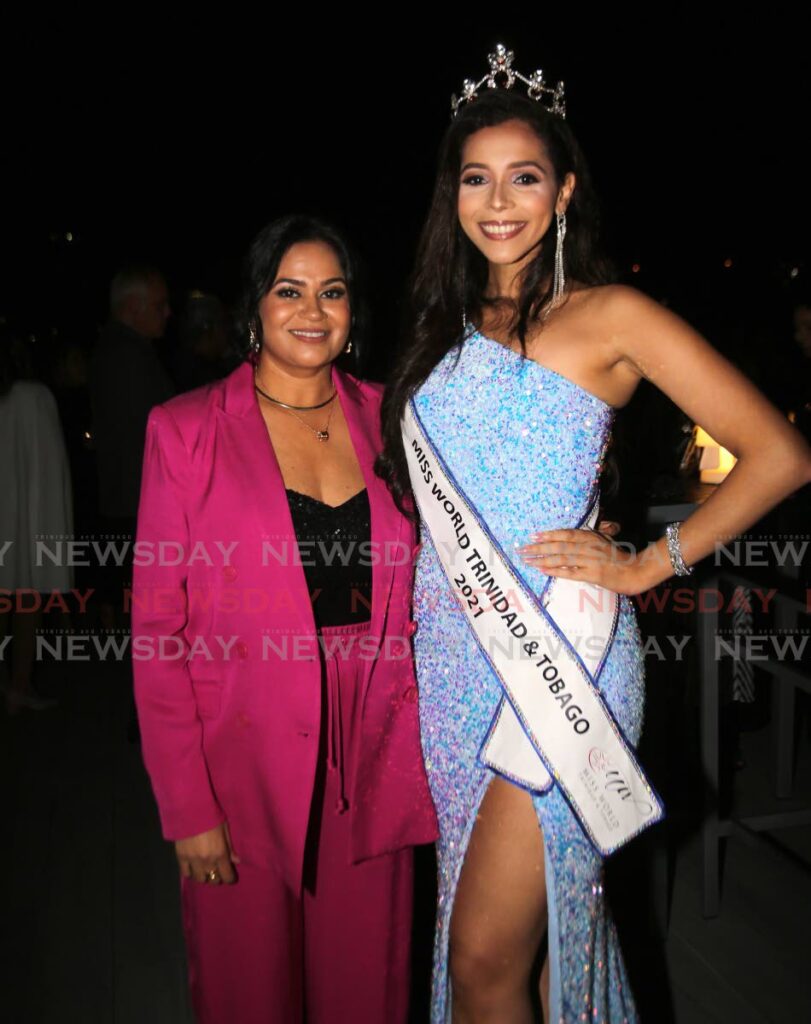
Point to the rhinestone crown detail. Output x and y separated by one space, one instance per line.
502 75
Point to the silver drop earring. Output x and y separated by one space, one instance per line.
348 348
253 339
559 279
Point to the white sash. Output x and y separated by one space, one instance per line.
547 655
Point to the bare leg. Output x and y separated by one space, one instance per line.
499 914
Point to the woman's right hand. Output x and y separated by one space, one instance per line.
206 852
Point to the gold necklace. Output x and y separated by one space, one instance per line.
321 435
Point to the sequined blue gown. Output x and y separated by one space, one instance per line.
526 445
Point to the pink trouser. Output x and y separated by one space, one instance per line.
336 953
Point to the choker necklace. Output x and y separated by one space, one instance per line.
321 435
300 408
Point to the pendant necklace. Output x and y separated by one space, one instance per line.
321 435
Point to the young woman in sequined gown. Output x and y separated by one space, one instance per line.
520 405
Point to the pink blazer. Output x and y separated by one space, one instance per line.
227 674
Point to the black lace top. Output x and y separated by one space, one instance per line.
336 556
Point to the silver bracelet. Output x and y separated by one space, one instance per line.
674 550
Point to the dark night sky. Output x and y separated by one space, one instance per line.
179 149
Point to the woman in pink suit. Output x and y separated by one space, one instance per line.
273 670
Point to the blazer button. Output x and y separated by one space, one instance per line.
242 649
410 695
411 628
229 572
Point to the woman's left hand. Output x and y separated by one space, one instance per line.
586 555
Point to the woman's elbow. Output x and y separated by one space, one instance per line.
796 466
782 466
805 468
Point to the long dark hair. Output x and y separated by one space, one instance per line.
262 264
450 276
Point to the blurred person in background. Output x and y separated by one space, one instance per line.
203 347
35 504
127 378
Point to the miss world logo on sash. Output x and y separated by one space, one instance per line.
552 725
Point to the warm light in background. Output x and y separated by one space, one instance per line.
716 461
635 268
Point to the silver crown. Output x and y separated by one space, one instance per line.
501 67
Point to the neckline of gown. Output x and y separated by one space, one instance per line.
547 369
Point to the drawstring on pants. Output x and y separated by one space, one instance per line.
343 668
335 738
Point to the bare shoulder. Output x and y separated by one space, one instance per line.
610 335
632 327
617 304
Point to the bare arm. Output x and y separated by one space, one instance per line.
773 459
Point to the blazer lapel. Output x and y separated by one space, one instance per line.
259 487
262 493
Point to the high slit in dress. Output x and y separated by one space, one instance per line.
526 445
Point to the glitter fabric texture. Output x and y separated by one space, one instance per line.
526 445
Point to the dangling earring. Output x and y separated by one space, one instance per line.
464 310
348 347
559 280
253 339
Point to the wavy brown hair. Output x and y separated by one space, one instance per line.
450 276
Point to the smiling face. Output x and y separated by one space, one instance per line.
305 314
508 193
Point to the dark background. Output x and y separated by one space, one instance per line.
173 137
176 140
